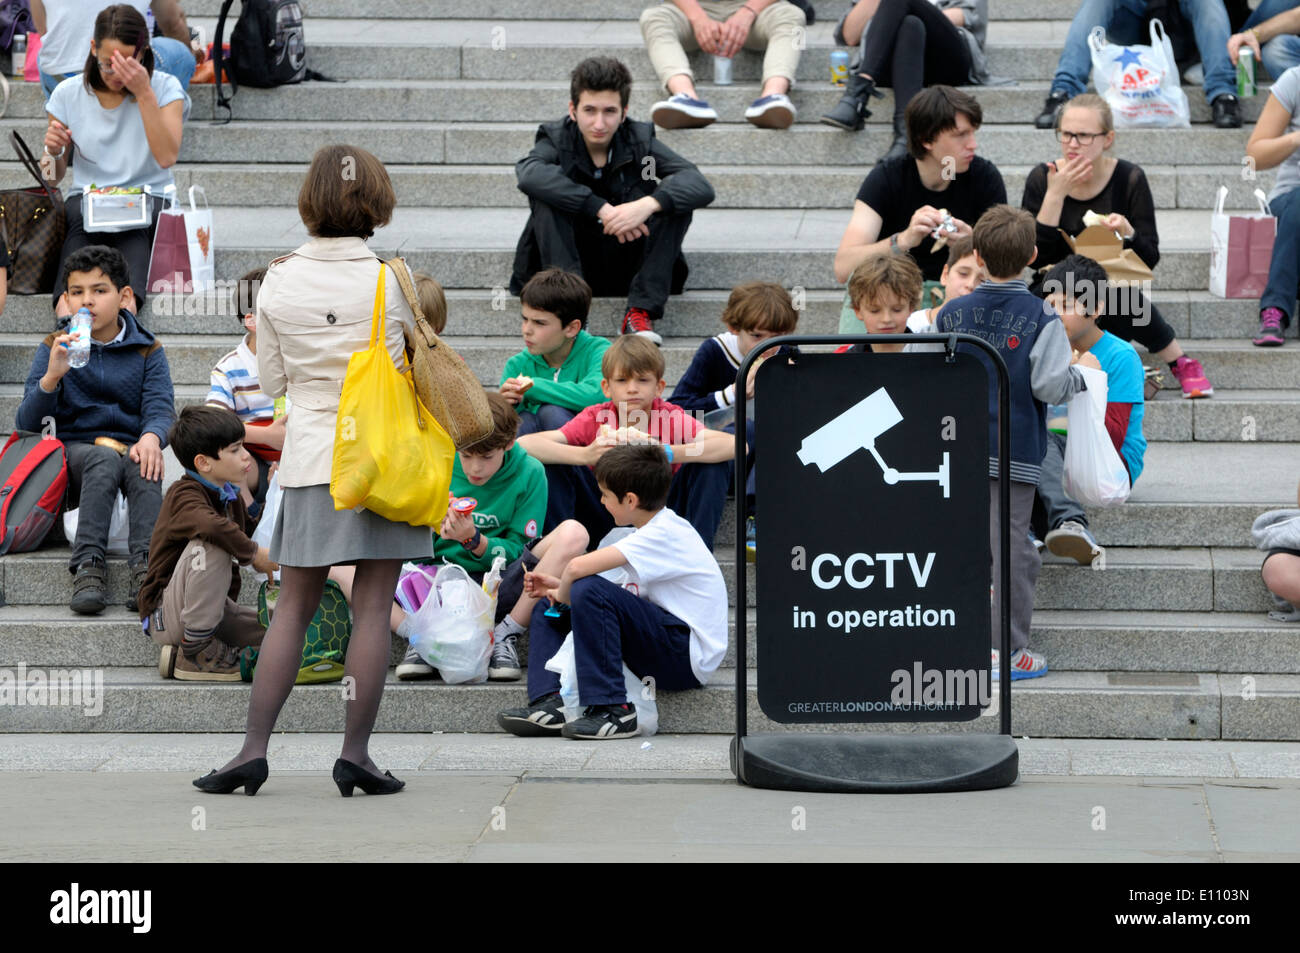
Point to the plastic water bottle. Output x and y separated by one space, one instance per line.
79 349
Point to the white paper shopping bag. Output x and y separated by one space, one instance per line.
1241 249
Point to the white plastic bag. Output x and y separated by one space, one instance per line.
1140 83
453 629
1094 473
265 528
639 694
119 527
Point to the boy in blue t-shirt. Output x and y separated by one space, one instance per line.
1077 290
1032 342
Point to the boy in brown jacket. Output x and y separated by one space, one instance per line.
187 601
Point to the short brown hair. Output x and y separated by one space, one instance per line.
246 293
632 354
1004 238
959 248
598 74
433 302
505 425
760 306
642 469
347 193
126 24
897 274
933 111
560 293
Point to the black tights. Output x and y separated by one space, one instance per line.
911 44
366 665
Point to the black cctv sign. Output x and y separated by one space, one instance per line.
874 573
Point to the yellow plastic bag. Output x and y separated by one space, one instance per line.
390 454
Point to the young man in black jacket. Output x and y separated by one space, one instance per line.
608 201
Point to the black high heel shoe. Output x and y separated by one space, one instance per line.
248 775
348 776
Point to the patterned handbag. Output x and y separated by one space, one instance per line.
443 381
32 226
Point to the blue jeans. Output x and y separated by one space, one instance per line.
546 417
1282 52
610 626
170 56
1123 22
1284 269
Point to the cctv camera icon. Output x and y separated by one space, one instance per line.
857 429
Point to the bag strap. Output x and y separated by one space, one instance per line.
218 63
29 162
378 330
422 326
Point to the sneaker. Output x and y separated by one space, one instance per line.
167 660
1047 118
638 321
1072 539
751 541
600 722
208 660
413 667
1027 664
1227 115
542 718
504 666
1270 328
137 580
90 587
1192 377
771 112
1038 543
682 112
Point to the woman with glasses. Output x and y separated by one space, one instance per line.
122 119
1083 179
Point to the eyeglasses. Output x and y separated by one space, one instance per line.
1082 138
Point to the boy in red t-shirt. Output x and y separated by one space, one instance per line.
633 370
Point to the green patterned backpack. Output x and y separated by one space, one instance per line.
327 637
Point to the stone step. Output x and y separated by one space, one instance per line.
694 314
1141 579
725 143
1229 364
1060 704
473 100
1072 639
737 187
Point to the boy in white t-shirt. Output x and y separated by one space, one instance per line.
961 275
667 621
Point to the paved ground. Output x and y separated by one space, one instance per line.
491 798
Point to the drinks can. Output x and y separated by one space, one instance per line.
79 349
18 52
721 71
1246 72
839 67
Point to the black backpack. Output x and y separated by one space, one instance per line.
267 48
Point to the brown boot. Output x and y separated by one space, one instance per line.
210 660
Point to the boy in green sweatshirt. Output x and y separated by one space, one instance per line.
558 372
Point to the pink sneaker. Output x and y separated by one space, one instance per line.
1192 377
1270 328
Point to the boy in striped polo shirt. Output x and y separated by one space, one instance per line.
236 386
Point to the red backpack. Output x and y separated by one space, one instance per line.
34 471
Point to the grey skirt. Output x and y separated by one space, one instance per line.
310 532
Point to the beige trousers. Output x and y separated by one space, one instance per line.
196 598
779 30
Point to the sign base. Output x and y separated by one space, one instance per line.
875 763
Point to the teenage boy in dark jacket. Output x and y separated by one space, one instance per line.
124 393
608 201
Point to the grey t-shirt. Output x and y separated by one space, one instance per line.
111 146
1287 91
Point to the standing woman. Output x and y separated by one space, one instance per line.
122 119
1059 193
313 311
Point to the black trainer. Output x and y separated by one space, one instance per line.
90 587
1055 100
599 722
1227 114
542 718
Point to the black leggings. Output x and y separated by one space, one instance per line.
911 44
